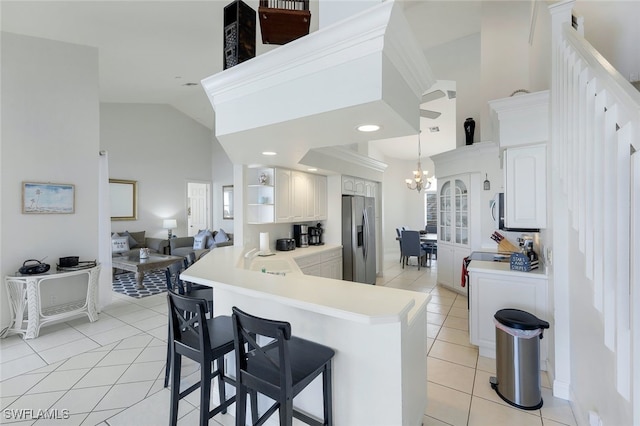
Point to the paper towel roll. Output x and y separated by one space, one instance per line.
264 242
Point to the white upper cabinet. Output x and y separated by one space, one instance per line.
521 127
299 196
358 186
525 185
284 192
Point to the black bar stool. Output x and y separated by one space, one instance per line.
203 340
272 362
176 285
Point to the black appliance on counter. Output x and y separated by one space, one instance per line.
285 244
315 235
497 212
301 235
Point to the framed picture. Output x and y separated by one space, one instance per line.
48 198
123 198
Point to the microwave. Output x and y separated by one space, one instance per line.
497 212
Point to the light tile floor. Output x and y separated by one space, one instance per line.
110 372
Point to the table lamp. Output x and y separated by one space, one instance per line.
169 224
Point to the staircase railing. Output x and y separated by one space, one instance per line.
595 118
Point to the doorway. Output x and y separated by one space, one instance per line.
198 207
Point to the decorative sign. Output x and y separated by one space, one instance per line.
520 262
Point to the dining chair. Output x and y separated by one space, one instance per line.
432 251
411 247
399 238
431 229
203 340
270 361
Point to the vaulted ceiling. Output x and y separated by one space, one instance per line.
154 51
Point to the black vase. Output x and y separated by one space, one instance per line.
469 127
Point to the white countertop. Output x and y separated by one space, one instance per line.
504 268
224 267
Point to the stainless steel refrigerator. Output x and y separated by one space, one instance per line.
358 239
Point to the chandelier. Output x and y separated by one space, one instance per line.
419 181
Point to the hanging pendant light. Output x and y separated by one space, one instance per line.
419 181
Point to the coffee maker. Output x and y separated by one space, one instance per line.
315 235
301 235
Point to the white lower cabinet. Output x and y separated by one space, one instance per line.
490 291
326 264
450 266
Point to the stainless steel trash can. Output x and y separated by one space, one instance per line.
517 379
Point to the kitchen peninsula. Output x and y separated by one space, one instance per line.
378 333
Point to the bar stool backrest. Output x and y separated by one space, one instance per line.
261 346
188 327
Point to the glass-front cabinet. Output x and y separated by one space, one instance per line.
453 216
453 229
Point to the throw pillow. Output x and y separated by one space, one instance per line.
119 244
136 239
200 240
221 237
210 241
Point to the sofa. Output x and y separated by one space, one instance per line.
126 243
201 243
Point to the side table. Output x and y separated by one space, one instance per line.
27 315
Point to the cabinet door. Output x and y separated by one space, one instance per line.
359 187
445 212
321 198
299 196
453 211
283 196
370 189
461 212
525 187
492 292
311 198
348 185
445 265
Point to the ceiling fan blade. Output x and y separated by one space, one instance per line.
431 96
429 114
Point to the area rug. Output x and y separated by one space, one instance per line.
154 282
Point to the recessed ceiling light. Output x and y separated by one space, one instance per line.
312 170
368 128
268 153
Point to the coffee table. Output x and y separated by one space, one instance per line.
133 263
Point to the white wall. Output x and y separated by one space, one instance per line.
160 148
50 133
459 60
612 28
222 175
505 54
401 206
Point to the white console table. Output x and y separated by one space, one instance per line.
27 314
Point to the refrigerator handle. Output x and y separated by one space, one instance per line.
365 221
